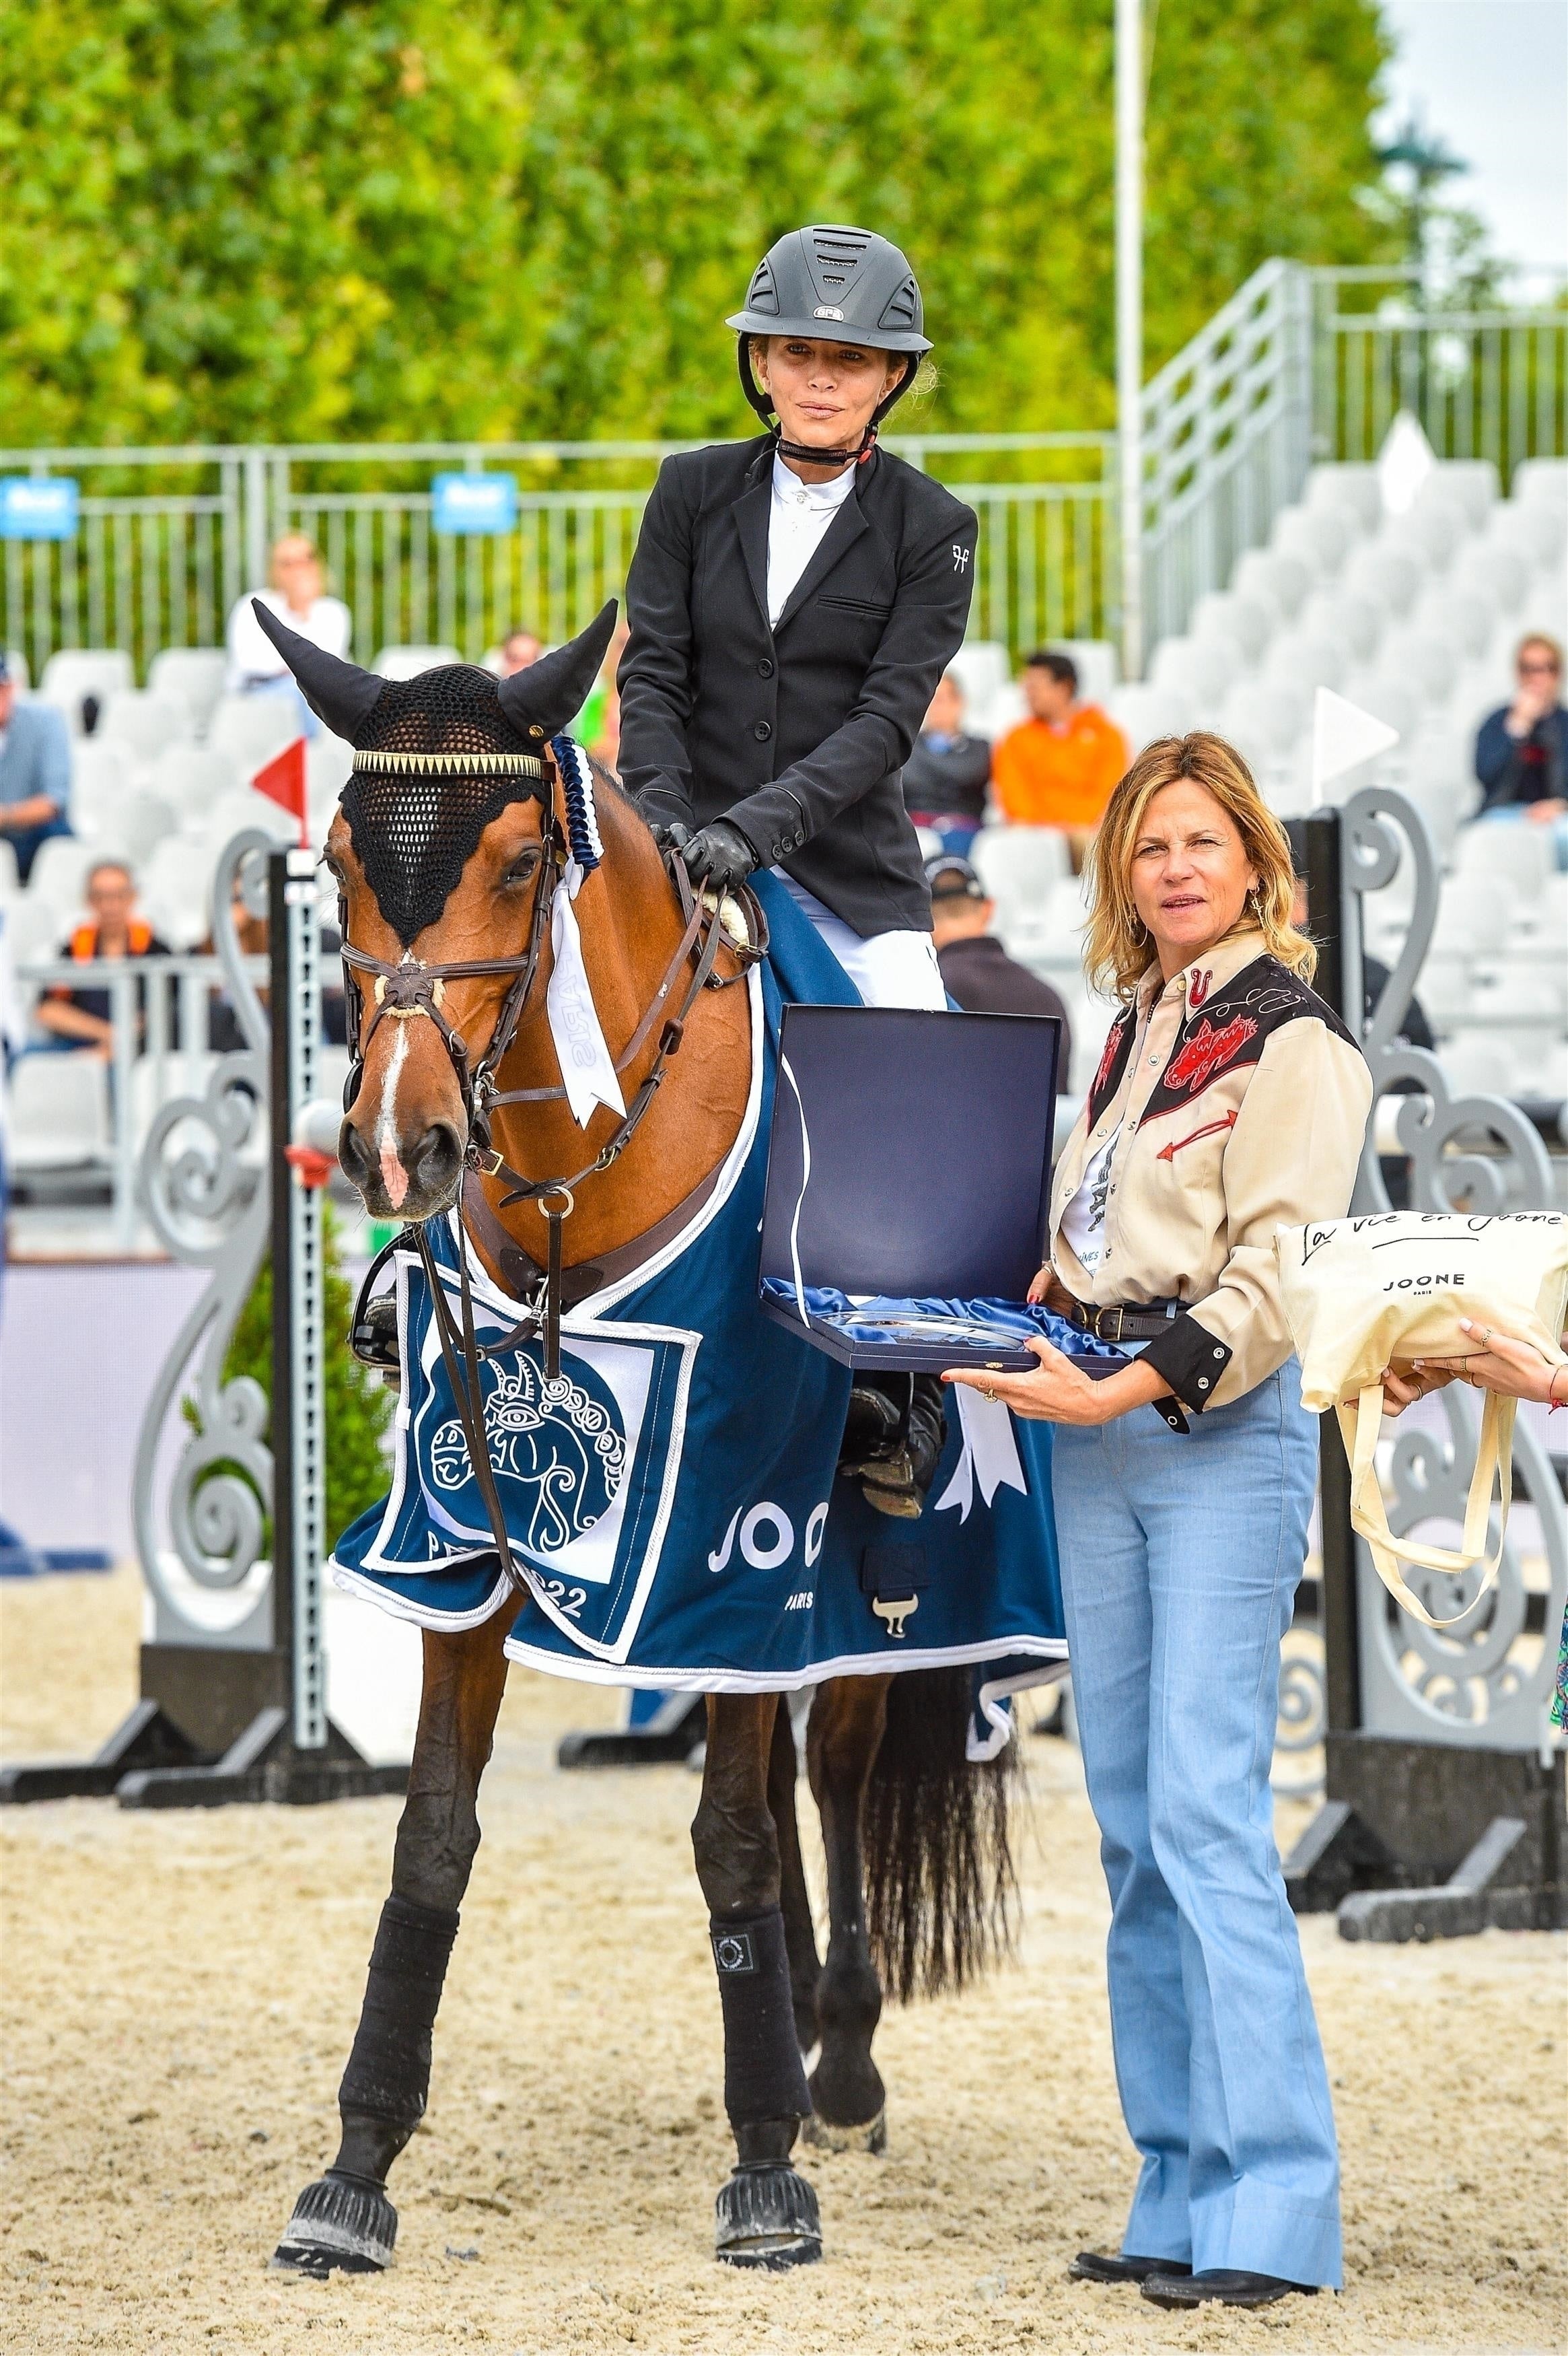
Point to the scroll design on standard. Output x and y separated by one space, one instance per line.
211 1208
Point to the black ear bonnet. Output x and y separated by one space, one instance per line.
437 757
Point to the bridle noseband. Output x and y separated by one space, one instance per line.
410 988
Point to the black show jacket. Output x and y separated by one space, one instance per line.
798 736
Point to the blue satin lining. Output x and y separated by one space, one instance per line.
971 1322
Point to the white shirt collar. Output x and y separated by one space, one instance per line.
791 492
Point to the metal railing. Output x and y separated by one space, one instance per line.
169 539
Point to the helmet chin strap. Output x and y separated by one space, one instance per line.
803 455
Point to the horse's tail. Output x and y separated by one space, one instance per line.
941 1890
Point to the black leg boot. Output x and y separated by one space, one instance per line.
894 1437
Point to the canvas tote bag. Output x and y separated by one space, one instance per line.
1362 1294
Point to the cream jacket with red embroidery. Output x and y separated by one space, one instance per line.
1242 1101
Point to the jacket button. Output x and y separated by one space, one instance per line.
764 669
762 731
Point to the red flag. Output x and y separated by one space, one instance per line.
283 780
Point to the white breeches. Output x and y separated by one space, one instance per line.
888 969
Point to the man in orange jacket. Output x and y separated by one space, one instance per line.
1059 767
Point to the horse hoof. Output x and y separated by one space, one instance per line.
342 2223
829 2136
767 2216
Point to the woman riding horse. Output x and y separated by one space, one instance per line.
453 851
794 600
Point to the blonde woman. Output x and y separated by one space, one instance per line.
1230 1101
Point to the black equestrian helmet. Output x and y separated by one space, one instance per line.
838 285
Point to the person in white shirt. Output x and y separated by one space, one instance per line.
296 594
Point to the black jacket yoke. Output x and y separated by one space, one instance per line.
797 735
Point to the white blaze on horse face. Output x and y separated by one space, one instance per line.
394 1177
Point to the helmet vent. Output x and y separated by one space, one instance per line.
764 293
902 307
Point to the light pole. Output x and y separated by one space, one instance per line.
1130 323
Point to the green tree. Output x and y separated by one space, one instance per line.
308 218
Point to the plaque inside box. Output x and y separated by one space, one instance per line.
909 1187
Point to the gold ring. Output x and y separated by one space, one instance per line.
1486 1336
987 1392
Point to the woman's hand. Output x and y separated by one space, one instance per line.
1416 1381
1513 1369
1049 1288
1058 1392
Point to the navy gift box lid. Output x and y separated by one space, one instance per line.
909 1157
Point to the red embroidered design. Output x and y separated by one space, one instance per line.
1107 1058
1210 1128
1198 988
1208 1051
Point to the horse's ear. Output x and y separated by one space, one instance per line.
339 693
543 699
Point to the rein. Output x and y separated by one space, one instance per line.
410 989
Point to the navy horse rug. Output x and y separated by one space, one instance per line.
672 1497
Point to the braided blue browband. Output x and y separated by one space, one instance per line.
576 785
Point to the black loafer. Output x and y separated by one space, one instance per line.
1090 2266
1174 2286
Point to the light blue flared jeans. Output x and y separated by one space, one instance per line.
1179 1560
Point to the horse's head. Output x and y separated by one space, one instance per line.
440 850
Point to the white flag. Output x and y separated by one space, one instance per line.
586 1064
1343 736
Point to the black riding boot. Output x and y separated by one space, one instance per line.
893 1438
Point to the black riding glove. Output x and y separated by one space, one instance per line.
718 857
669 833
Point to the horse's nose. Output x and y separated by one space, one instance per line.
436 1162
356 1154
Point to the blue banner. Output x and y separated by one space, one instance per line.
38 506
473 503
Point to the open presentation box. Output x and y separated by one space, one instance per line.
908 1183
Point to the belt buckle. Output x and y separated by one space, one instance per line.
1100 1317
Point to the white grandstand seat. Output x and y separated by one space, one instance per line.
191 778
1445 987
1478 1063
1468 484
1530 971
60 872
1017 866
1431 532
17 665
1352 485
1521 856
1297 659
1474 915
1548 1079
1143 713
331 1073
1503 572
252 728
1440 806
1393 700
329 763
408 662
194 675
1534 529
58 1117
101 777
177 890
1096 661
1544 606
1389 577
145 723
78 671
1264 718
1008 710
1202 670
1320 537
1541 481
1281 581
1461 610
139 824
232 811
1421 660
10 881
1352 621
1222 612
983 668
35 927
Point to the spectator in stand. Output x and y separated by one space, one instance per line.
253 934
520 650
948 774
1522 753
1059 767
35 772
975 969
296 592
84 1018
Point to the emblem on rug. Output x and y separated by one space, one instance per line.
559 1447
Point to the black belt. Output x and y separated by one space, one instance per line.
1114 1324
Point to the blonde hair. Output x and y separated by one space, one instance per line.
1540 639
1118 948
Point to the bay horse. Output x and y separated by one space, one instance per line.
457 1097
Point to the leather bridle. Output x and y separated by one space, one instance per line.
412 988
